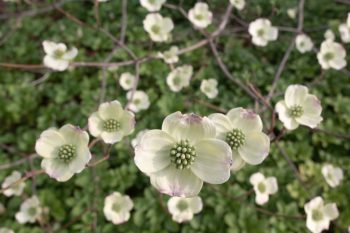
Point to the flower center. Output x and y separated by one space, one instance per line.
182 205
111 125
261 32
199 17
328 56
116 207
317 215
58 53
155 29
296 111
182 154
261 187
235 138
67 152
31 211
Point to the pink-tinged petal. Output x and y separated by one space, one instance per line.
56 169
312 106
255 149
213 161
188 127
256 178
283 115
48 143
295 95
176 182
152 154
261 198
245 119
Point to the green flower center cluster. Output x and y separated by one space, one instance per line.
111 125
317 215
296 111
199 17
235 138
116 207
67 152
182 205
261 187
155 29
58 53
261 32
31 211
182 154
328 56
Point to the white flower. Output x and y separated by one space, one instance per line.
179 78
65 151
242 130
30 211
303 43
263 187
292 12
333 175
158 28
344 31
127 81
319 215
117 208
57 57
238 4
183 154
111 122
209 88
6 230
299 107
170 56
331 55
329 35
140 101
152 5
262 32
200 15
182 209
138 138
15 189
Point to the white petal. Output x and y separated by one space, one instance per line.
338 63
95 125
244 119
127 122
22 218
213 161
195 204
74 135
153 152
55 64
221 122
110 110
271 184
272 33
283 115
237 161
112 137
331 211
295 95
82 158
309 120
255 149
261 198
176 182
71 54
315 203
48 143
56 169
256 178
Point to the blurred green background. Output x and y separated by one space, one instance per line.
27 107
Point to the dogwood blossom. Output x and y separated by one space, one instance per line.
182 209
299 107
303 43
238 4
329 35
262 32
331 55
152 5
183 154
30 211
127 81
13 188
333 175
57 56
111 122
140 101
138 138
242 130
320 215
179 78
344 31
263 187
170 56
292 12
6 230
117 208
65 151
200 15
158 27
209 88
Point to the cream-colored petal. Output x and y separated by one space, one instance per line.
283 115
255 149
246 120
331 211
74 135
112 137
95 125
271 185
127 123
221 122
261 198
56 169
110 110
48 143
79 162
295 95
256 178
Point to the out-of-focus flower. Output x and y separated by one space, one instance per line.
179 78
111 122
158 27
6 230
344 30
333 175
127 81
299 107
117 208
17 188
182 209
331 55
30 211
292 12
140 101
303 43
209 88
329 35
263 187
262 32
200 15
170 56
152 5
57 56
238 4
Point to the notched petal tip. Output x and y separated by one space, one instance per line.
192 118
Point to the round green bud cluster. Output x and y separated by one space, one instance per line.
67 152
296 111
182 154
235 138
111 125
